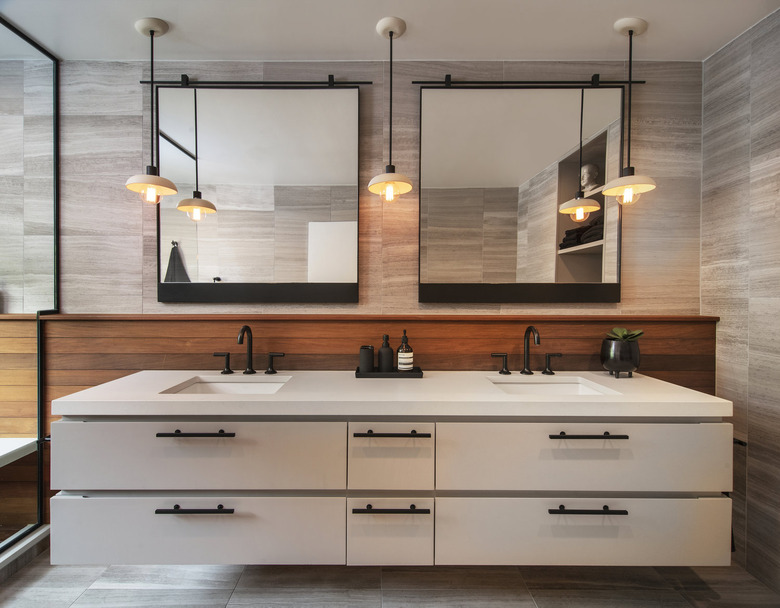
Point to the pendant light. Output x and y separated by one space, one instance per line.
580 208
389 185
150 185
629 186
196 207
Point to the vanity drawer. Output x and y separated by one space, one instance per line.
153 456
391 455
521 531
536 457
389 531
261 530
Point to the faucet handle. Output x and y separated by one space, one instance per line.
504 370
227 369
547 371
271 356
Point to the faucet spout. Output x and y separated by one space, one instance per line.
247 331
527 348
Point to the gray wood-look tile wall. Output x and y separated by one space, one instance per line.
740 273
26 185
108 238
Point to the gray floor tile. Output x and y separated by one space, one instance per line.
315 577
726 586
592 577
41 585
153 598
457 598
169 577
452 577
306 596
608 598
21 596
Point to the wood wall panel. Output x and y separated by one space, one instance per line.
18 376
19 489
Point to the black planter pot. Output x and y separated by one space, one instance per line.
618 356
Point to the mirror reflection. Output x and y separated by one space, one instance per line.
496 164
26 177
280 166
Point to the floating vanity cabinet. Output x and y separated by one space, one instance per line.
449 469
659 487
192 492
391 456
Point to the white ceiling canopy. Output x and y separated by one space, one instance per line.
343 30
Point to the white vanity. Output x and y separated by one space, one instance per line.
319 467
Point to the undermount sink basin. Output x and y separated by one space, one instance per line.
228 385
541 386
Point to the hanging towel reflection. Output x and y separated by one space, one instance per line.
176 273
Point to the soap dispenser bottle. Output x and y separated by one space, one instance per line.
405 355
385 355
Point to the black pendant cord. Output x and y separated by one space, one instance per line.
582 115
390 159
195 101
151 97
630 78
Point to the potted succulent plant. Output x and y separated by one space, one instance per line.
620 351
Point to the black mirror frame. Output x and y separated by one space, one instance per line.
537 293
261 293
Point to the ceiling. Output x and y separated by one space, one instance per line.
481 30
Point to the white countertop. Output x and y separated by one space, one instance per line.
439 395
13 448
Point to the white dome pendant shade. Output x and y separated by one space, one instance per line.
390 185
150 185
196 207
579 208
628 187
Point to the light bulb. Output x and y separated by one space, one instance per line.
629 197
579 215
389 193
150 195
195 215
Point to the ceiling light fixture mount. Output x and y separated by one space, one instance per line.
150 185
628 187
389 185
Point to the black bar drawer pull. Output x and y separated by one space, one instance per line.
605 510
412 509
370 433
178 433
177 510
606 435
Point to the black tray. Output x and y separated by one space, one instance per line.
415 373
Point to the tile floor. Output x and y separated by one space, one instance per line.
40 585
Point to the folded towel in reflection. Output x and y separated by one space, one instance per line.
594 233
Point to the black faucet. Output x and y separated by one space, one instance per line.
527 349
245 329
